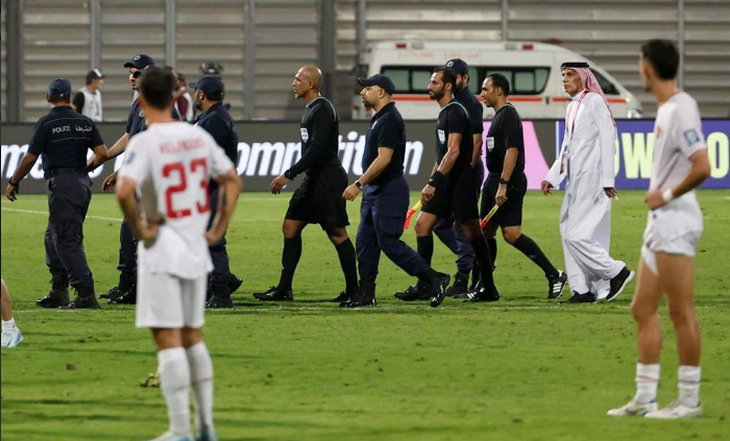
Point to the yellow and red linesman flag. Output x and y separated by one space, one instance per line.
484 221
410 214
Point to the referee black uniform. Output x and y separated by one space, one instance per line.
506 133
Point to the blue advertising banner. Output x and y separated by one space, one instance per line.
635 148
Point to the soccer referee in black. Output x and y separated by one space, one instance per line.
319 198
506 183
452 188
63 137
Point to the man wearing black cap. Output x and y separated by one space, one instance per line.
452 188
88 100
318 200
216 120
385 197
63 138
124 292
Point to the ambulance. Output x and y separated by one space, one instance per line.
533 70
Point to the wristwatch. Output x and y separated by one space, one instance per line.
358 184
503 181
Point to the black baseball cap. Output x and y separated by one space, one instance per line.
94 74
140 61
59 88
211 86
378 80
458 65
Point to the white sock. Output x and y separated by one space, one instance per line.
689 385
175 385
9 324
201 375
647 381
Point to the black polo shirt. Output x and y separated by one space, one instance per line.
136 122
505 133
63 137
454 118
218 122
387 129
320 134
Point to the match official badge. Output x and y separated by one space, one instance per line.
490 143
691 136
442 136
305 134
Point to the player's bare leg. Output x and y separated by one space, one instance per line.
290 255
677 275
346 254
425 223
11 336
644 308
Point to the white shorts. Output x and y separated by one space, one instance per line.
684 245
170 302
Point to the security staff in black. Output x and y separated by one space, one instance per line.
63 137
385 197
506 183
125 292
216 120
452 188
319 198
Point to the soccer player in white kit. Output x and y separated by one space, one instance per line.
673 229
169 167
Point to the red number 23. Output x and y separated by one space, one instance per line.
179 168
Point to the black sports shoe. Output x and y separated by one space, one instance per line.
556 285
482 295
220 302
461 280
343 297
588 297
274 294
127 298
438 289
85 299
364 297
419 291
54 299
113 293
619 282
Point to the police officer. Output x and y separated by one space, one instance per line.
124 292
506 183
63 138
318 200
386 196
452 188
216 120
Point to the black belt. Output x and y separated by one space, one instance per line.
52 173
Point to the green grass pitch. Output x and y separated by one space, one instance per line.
522 369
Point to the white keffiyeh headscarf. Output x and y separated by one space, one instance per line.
589 81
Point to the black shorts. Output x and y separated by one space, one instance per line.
318 200
509 214
458 196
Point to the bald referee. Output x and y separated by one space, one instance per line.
318 200
506 183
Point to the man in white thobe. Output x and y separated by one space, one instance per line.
586 159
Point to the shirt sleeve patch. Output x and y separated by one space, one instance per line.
691 136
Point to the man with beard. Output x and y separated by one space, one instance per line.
319 198
452 188
216 120
385 197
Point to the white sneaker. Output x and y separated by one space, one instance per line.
674 411
633 408
170 436
12 338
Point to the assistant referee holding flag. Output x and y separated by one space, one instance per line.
506 183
